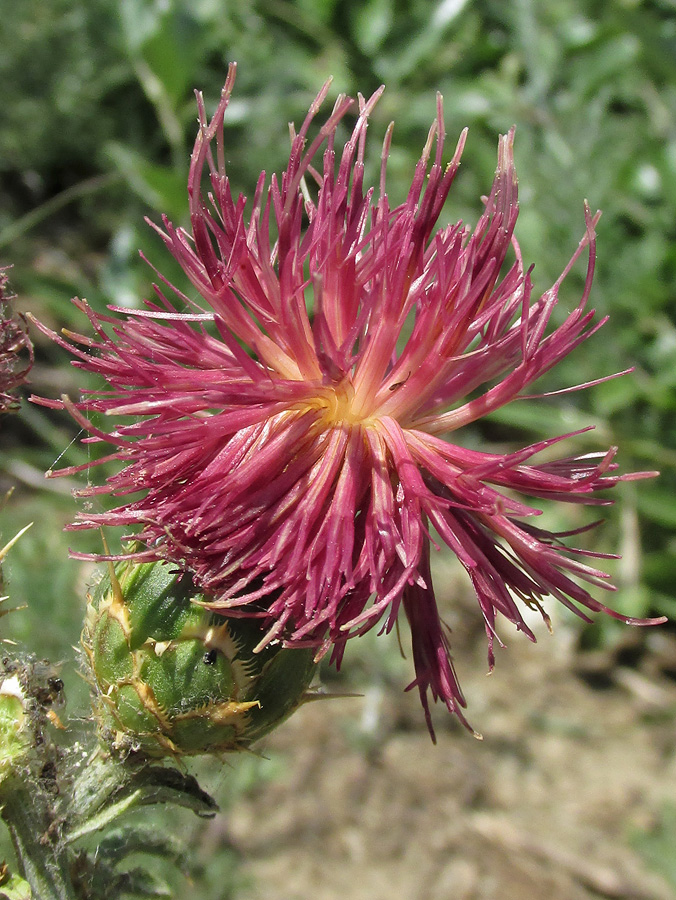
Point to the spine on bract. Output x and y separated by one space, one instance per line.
172 678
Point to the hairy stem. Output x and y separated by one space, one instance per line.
41 857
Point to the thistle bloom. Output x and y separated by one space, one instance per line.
14 343
297 463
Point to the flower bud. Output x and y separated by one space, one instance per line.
172 678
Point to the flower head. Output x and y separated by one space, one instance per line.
301 463
14 343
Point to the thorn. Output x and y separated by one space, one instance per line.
318 694
8 546
115 586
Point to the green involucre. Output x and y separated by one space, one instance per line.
170 677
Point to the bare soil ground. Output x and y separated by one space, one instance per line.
577 765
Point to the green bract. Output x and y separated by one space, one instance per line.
170 677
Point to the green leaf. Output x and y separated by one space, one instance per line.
372 24
121 842
141 883
110 788
658 506
161 187
140 20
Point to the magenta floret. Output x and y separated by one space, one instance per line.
294 462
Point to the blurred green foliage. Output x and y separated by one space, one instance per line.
98 120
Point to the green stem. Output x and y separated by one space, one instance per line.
42 861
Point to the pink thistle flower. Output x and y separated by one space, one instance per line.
296 462
16 350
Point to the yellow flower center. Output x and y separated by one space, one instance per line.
337 407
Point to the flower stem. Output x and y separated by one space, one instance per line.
41 857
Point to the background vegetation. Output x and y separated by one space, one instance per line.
98 120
